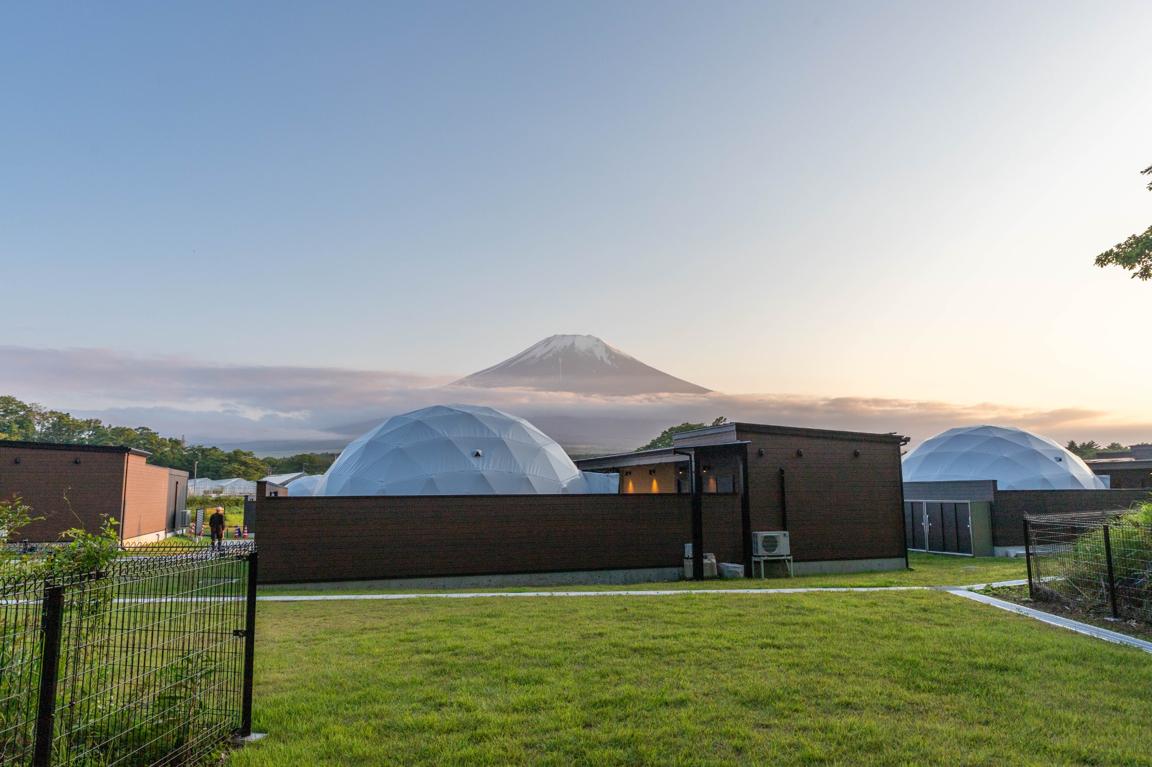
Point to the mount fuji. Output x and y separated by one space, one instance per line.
579 364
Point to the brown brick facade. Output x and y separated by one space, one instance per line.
321 539
843 493
80 485
1122 478
146 501
842 496
1010 506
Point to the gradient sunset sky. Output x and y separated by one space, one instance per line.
869 199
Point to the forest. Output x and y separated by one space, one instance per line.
30 422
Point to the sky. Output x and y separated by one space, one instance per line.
843 201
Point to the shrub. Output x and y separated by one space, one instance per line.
1086 576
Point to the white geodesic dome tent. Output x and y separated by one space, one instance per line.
1016 459
455 450
304 485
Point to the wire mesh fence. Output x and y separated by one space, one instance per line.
1094 561
146 663
20 667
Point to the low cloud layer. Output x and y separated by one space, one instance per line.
285 409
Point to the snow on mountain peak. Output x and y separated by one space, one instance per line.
557 345
578 363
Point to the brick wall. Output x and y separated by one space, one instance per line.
1123 479
840 504
1010 506
94 487
323 539
146 500
981 490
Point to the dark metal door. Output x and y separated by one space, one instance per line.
963 528
948 527
938 526
935 513
914 525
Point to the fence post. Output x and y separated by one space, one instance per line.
1111 573
1028 558
249 647
51 624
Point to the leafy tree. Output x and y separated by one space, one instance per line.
1135 253
17 419
665 438
1085 450
1115 446
310 463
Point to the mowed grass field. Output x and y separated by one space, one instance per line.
877 678
924 570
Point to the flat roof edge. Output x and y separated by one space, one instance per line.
70 446
795 431
810 431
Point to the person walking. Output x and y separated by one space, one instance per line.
216 525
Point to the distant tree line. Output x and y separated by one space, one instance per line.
1091 448
30 422
309 463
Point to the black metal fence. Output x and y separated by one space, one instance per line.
1094 561
149 662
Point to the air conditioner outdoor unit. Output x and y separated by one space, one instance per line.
771 544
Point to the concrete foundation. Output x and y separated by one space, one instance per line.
580 577
595 577
841 566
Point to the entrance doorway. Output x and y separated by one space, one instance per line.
943 527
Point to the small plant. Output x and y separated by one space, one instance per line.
85 553
15 515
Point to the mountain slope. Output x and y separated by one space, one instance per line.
580 364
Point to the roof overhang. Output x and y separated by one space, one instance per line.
677 454
1105 465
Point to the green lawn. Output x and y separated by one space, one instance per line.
926 570
900 678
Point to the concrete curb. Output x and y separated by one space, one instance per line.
993 585
1055 620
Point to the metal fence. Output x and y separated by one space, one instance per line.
1094 561
149 662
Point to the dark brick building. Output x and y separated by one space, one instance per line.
837 493
80 485
1124 473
